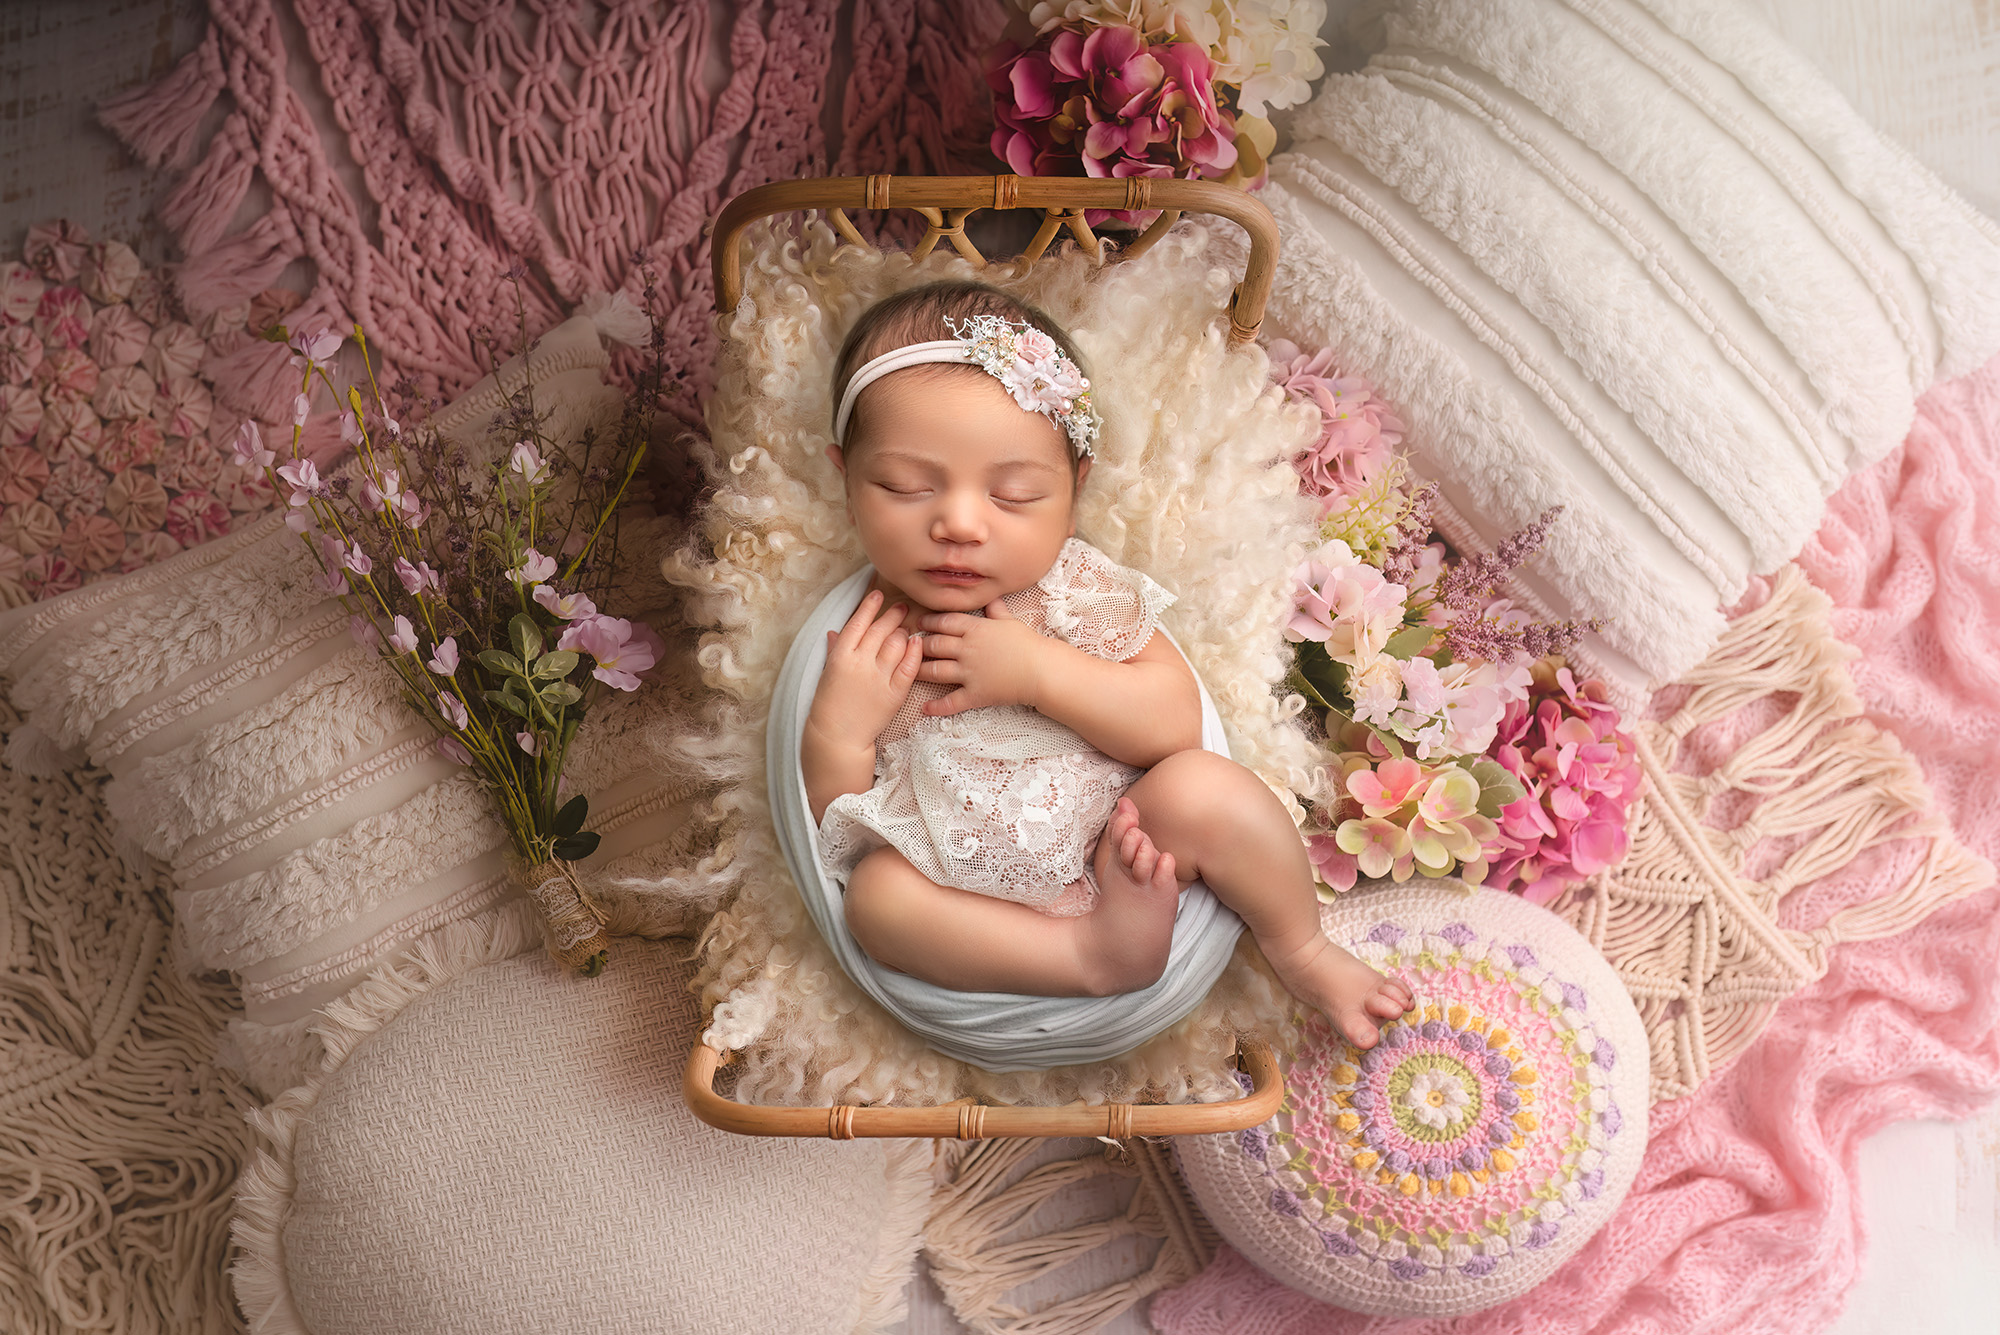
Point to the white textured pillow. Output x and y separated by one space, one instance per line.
1633 257
504 1151
312 828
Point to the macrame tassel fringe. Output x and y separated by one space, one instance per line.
200 208
885 1295
1692 919
978 1258
32 752
239 267
159 122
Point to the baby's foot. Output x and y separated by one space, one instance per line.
1132 926
1353 995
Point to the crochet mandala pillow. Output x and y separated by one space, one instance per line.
1477 1147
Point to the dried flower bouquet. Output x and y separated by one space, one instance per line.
479 580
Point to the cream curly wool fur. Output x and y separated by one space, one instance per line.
1190 485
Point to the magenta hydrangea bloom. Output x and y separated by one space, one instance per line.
1568 746
1103 102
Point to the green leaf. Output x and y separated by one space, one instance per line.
501 663
1497 787
513 704
560 695
577 847
1408 642
556 663
1327 677
570 819
526 637
1297 681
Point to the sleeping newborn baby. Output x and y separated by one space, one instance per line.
1003 756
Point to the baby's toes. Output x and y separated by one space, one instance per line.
1163 875
1145 860
1384 1003
1355 1026
1124 818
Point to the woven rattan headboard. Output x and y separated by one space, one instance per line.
945 202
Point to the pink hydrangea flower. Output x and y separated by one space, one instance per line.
622 649
1344 604
1568 746
1359 432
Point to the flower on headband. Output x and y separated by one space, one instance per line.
1027 362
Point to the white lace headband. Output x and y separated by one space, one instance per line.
1025 360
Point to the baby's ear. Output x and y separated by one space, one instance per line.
839 459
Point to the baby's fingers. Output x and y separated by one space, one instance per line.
864 616
872 640
906 667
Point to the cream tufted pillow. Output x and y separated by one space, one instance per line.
312 829
507 1153
1636 258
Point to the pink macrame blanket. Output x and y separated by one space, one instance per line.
586 140
1745 1217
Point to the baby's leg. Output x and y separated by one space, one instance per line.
975 943
1223 826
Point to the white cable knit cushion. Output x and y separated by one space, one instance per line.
508 1154
1476 1148
1636 258
312 828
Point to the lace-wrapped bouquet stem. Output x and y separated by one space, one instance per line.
477 575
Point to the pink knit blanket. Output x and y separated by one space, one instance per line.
1746 1215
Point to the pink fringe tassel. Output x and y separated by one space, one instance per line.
199 210
159 121
239 267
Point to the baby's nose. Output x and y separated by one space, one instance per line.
959 518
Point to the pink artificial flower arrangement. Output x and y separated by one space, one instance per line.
1358 434
1106 101
1461 743
479 582
1569 750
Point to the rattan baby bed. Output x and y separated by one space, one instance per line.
945 203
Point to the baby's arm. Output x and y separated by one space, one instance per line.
870 665
1139 711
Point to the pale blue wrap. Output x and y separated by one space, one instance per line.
998 1031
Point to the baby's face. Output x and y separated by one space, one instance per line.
959 495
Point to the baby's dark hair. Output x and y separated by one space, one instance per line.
920 315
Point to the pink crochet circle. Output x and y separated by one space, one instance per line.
1475 1147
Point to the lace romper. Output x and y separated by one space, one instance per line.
1005 801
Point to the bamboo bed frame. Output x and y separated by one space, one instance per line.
945 202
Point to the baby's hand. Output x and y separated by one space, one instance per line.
870 665
993 660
